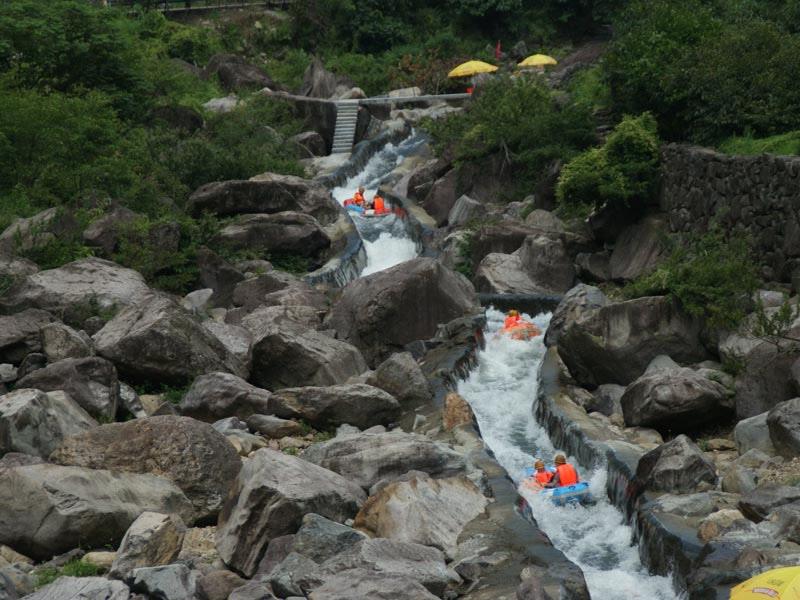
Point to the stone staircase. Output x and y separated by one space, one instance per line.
346 119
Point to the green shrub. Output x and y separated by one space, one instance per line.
785 144
711 276
519 119
623 170
74 568
589 88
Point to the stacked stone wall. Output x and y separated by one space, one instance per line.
758 196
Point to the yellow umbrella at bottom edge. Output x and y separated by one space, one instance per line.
472 67
776 584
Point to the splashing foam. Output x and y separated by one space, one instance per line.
386 244
501 391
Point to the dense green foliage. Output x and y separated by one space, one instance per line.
708 70
711 276
519 119
623 170
81 90
782 144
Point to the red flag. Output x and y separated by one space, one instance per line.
497 51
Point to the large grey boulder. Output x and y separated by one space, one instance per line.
367 458
577 302
235 73
766 378
296 575
91 382
674 399
48 509
309 144
383 312
82 588
61 341
220 395
465 210
167 582
422 564
218 584
504 238
237 340
427 511
592 267
288 354
198 459
217 274
607 399
104 233
268 193
402 377
36 231
19 334
250 292
157 339
504 274
77 288
273 427
753 432
270 497
545 259
15 581
320 539
639 249
318 82
356 404
757 504
616 342
365 583
783 422
153 539
281 233
253 590
34 422
677 466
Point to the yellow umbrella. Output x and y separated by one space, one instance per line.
777 584
472 67
538 60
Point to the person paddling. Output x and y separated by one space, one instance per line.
565 473
378 204
512 318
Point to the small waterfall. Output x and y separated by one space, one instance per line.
501 391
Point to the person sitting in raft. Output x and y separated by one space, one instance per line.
378 204
358 197
542 475
565 473
512 318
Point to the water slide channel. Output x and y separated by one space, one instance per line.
502 390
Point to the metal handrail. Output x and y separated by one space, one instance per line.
188 5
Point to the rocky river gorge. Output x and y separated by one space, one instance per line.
360 431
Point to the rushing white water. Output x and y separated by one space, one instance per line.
385 239
501 391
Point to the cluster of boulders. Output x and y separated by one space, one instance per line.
721 493
241 442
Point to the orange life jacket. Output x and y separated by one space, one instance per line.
544 477
359 198
511 321
377 204
567 475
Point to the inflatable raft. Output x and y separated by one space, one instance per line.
577 493
521 331
368 212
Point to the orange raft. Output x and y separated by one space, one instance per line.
521 330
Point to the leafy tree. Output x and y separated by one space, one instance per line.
712 276
623 170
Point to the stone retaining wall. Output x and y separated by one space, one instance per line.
754 195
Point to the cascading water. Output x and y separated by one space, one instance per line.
501 391
386 239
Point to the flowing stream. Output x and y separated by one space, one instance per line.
501 391
386 238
